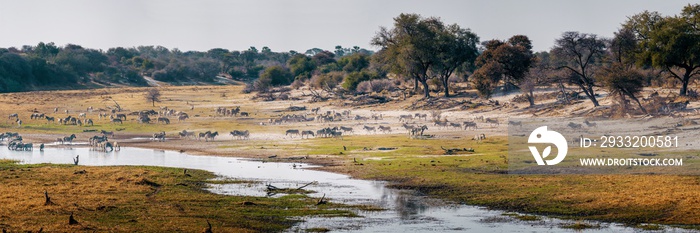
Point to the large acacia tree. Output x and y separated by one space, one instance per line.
579 54
504 61
456 46
422 48
670 43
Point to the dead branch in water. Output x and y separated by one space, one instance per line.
304 186
322 201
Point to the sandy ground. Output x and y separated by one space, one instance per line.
266 140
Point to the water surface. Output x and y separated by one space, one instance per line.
405 210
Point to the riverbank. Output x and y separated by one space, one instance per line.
138 199
476 178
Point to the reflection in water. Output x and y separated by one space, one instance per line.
409 206
405 211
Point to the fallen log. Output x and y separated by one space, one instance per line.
453 150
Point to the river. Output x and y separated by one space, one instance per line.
404 210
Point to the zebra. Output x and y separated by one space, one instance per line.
165 120
182 117
292 132
202 135
590 124
337 134
442 124
370 129
159 136
107 133
492 121
117 120
408 127
240 134
68 139
479 137
574 125
186 134
516 123
405 118
469 124
307 133
210 135
361 118
346 129
418 130
385 129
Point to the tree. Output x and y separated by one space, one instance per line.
671 43
323 57
579 53
504 61
276 76
456 46
623 82
354 63
153 95
313 51
339 51
301 66
410 46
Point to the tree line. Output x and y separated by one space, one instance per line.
649 48
48 66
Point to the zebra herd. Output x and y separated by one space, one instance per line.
114 117
14 142
102 143
328 132
191 134
222 111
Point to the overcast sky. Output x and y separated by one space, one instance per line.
285 25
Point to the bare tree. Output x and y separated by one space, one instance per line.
153 95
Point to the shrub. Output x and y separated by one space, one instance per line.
378 85
354 78
271 77
329 80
